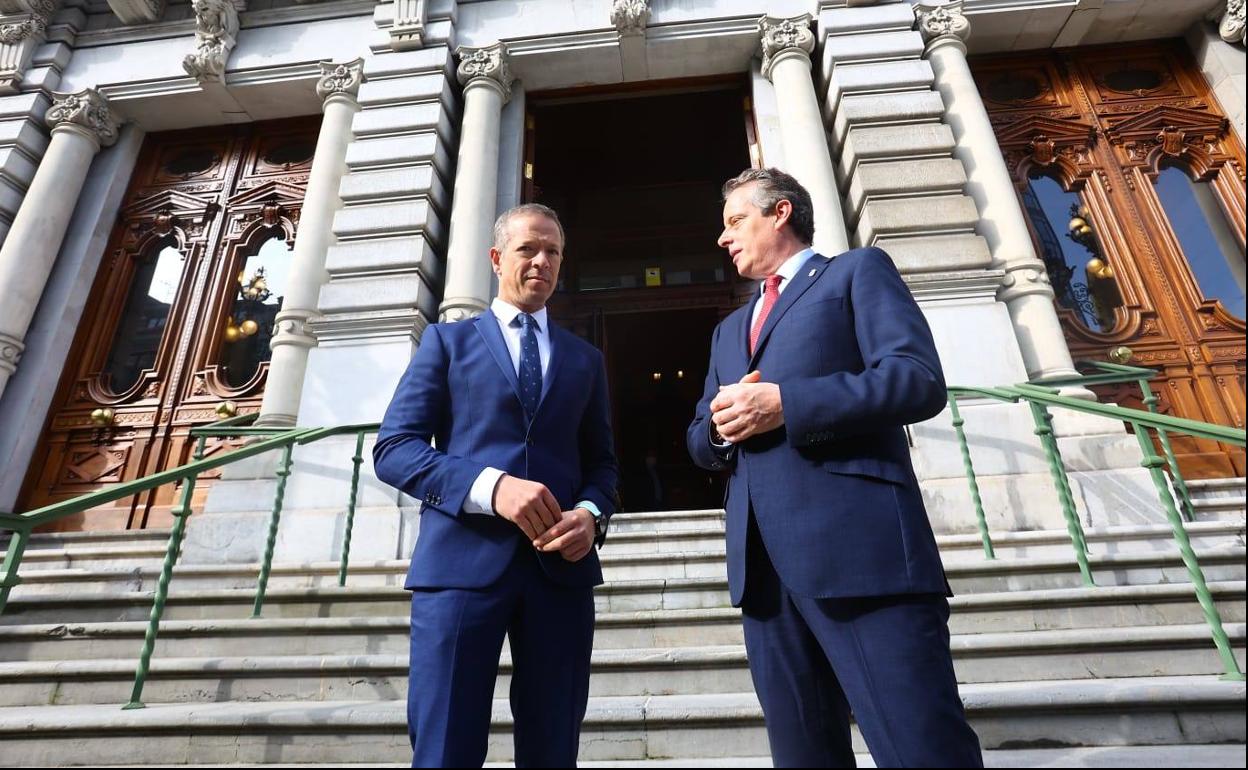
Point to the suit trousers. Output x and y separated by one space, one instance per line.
456 638
886 659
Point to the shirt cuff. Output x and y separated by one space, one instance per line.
481 496
589 506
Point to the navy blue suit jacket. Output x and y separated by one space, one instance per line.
832 490
456 411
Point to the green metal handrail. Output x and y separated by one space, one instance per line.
1040 395
266 439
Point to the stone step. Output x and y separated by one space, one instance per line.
1230 755
1222 562
49 595
57 540
709 536
322 631
1228 487
979 658
1097 712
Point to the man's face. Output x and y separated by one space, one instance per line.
528 264
751 236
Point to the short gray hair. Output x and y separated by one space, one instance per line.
503 222
771 185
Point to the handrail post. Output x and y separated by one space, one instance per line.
1180 484
356 461
1044 429
971 480
283 472
1153 462
180 514
12 560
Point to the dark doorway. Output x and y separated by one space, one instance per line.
636 178
657 365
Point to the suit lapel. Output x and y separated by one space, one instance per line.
803 280
487 327
558 351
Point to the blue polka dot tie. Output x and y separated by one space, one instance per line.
530 364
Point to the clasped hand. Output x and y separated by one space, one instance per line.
531 507
747 408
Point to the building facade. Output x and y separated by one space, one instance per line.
257 206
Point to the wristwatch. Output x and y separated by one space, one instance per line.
600 525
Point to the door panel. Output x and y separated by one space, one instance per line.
162 338
1110 128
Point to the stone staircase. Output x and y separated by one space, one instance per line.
1052 673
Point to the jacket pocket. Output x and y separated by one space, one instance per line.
871 467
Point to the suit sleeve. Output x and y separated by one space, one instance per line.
901 382
601 473
404 456
698 438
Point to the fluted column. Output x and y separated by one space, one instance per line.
487 87
1025 290
338 87
787 44
81 124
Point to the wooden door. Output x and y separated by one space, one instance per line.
1123 155
177 330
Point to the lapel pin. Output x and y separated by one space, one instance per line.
812 272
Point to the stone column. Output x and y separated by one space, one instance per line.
487 87
338 87
1025 289
787 44
81 124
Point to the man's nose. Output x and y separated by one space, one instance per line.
724 241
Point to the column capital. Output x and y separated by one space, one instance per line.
785 36
1232 27
630 16
340 79
489 65
942 22
86 112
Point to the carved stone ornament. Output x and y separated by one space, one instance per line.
10 351
14 32
1232 27
630 16
216 34
488 62
340 79
88 109
137 11
23 24
408 31
942 20
782 35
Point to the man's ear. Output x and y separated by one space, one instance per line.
784 212
495 255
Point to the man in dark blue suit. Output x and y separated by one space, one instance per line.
830 553
501 427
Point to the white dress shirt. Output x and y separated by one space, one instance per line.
786 273
481 495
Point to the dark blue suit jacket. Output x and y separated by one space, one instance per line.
832 490
456 411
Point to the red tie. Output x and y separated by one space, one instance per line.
771 293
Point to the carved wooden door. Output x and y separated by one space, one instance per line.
1133 182
176 333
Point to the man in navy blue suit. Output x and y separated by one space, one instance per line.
501 427
830 553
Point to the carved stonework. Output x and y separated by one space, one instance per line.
86 110
408 31
488 63
10 351
942 21
630 16
1232 27
779 35
340 79
137 11
23 25
216 34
